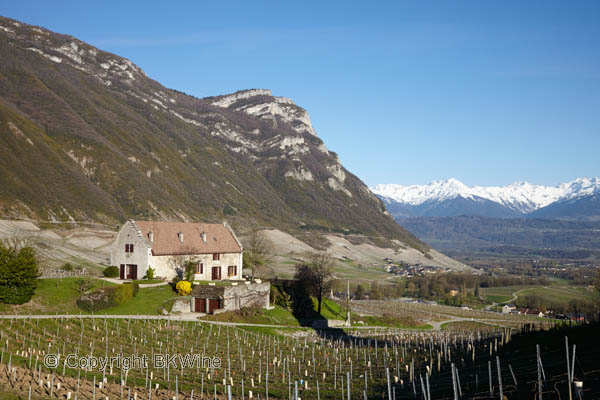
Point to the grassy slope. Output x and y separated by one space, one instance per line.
330 310
147 301
53 296
60 295
556 294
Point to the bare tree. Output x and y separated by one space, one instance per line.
316 272
258 253
181 262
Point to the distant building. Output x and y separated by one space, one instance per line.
507 308
528 311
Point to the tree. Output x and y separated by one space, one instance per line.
359 293
18 273
316 273
258 253
82 285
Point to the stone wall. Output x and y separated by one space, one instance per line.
182 305
235 297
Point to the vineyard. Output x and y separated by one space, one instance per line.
278 363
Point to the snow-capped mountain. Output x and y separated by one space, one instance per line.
452 197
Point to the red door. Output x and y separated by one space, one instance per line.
122 275
200 305
216 273
132 271
213 304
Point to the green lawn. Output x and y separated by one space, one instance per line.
53 296
148 301
555 294
148 281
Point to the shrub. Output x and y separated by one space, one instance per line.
123 293
253 311
189 271
183 288
111 272
136 289
280 297
98 299
149 273
83 285
67 267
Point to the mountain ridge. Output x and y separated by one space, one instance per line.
519 199
87 135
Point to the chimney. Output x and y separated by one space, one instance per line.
204 237
180 236
151 236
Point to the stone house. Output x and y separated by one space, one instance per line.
213 249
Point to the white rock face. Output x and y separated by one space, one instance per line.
337 171
48 56
283 107
300 173
520 196
336 185
72 51
229 100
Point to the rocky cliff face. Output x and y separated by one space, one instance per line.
86 135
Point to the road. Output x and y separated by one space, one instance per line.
193 317
515 295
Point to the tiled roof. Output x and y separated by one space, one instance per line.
219 238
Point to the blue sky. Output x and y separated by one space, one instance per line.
405 92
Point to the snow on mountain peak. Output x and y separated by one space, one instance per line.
523 197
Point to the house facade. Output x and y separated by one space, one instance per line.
167 247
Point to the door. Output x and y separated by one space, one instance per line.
200 305
122 274
216 273
213 304
132 271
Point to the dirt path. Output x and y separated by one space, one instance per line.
512 300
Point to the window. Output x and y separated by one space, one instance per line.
199 268
128 248
232 270
216 256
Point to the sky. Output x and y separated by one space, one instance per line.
405 92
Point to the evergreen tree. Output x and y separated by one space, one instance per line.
18 273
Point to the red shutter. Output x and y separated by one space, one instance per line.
131 247
126 248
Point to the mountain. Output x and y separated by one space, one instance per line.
86 135
572 200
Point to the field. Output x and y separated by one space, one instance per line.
550 295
